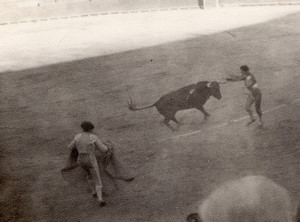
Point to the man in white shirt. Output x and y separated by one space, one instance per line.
86 144
91 153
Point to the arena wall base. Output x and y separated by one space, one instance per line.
22 11
26 10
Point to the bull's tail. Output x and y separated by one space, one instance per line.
132 106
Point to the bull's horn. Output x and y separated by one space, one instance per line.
209 84
131 104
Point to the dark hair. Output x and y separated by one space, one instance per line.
193 217
298 214
87 126
244 68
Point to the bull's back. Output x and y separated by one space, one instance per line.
175 100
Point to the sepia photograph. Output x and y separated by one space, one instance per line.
150 110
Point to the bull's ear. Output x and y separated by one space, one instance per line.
209 84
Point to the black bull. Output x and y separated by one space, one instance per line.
188 97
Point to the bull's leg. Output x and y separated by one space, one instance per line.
176 121
167 122
206 114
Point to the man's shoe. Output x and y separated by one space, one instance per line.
129 179
260 124
102 204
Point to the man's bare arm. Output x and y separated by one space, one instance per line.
100 145
235 78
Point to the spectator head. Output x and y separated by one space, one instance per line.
193 217
252 198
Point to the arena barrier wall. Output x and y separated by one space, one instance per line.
257 2
15 11
18 10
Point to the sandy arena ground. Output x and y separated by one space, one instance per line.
63 72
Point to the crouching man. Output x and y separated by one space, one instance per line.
91 153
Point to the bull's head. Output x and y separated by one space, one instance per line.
215 89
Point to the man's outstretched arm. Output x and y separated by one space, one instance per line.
235 78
